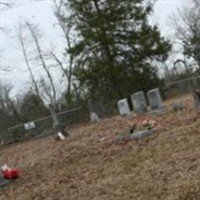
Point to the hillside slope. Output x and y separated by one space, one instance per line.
90 165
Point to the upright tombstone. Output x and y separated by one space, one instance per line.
155 101
139 102
123 107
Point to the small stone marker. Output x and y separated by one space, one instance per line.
123 107
58 127
141 134
139 102
94 118
60 136
155 101
177 106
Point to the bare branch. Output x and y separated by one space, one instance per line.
21 41
5 4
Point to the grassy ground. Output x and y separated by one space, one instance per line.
90 165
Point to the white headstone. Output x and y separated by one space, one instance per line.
139 102
155 100
123 107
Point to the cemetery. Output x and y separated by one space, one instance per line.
110 159
100 100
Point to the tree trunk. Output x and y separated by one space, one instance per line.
27 62
42 60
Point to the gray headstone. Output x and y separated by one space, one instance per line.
139 102
123 107
94 118
155 101
177 106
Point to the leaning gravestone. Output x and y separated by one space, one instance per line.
139 102
94 118
155 101
123 107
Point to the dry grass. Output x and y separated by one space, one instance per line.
165 166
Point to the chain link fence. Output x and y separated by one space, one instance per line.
42 127
182 87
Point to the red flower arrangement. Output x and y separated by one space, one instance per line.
10 173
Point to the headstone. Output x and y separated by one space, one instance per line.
155 101
177 106
139 102
94 117
123 107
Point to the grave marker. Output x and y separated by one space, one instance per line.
155 101
94 118
139 102
124 107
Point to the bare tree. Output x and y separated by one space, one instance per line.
66 25
22 44
35 36
187 26
5 4
46 92
6 103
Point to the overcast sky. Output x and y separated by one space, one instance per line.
41 13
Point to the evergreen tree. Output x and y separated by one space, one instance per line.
116 47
